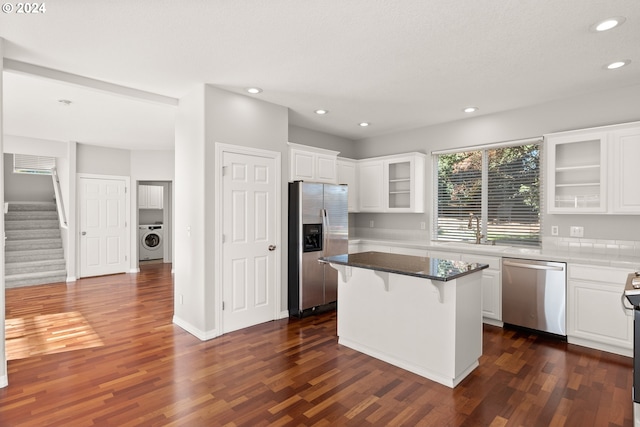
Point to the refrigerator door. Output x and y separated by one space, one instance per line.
311 271
336 233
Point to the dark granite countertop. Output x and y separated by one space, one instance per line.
428 268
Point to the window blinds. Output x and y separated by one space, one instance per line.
499 185
26 163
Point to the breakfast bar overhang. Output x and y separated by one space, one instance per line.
420 314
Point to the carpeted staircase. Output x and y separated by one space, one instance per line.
33 246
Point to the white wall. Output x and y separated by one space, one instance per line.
189 220
346 147
96 160
24 187
597 109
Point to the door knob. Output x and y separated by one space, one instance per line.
84 233
272 247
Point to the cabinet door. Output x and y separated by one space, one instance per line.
302 167
405 184
577 172
347 174
624 159
155 195
143 196
326 168
491 285
371 180
595 313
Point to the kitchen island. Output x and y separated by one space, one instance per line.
420 314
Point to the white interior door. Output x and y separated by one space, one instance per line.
248 248
103 226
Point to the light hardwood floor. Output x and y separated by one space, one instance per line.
104 352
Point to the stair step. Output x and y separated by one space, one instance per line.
11 268
32 224
33 255
27 215
32 244
39 278
32 234
33 206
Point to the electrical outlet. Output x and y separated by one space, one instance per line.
371 224
423 225
576 231
554 230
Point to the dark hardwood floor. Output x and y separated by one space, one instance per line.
115 359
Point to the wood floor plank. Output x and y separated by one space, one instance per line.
141 370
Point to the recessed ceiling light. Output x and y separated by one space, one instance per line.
470 109
64 102
321 112
363 124
254 90
608 24
617 64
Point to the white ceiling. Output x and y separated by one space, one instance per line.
399 64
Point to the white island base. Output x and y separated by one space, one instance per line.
429 327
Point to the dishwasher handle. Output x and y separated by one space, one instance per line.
532 266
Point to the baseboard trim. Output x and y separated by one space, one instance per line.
4 381
71 279
196 332
134 270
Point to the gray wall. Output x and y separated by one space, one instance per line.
596 109
22 187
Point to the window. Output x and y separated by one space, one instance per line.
499 185
26 163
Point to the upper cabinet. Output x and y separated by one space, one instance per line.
312 164
348 174
392 183
624 155
380 184
576 172
150 197
594 170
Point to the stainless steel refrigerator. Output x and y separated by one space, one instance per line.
318 226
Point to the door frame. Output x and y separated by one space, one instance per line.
127 214
220 149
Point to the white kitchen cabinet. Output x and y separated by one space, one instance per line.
371 180
577 172
392 183
491 286
348 174
596 316
150 197
312 164
404 183
594 170
624 157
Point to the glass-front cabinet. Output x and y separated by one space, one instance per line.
576 172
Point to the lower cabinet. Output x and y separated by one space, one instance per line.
491 287
596 316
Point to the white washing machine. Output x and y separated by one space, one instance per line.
151 240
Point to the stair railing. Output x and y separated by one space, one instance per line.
59 202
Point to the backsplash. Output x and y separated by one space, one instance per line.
625 248
388 234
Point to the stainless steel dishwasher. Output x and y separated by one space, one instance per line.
534 294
